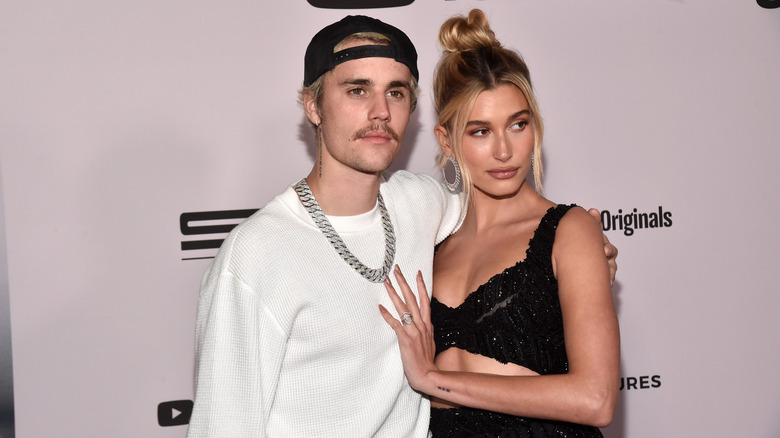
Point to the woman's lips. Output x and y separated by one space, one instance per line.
503 173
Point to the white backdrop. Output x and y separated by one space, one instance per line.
117 117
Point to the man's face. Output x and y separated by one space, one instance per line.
365 110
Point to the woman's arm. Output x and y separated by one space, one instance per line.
610 250
587 394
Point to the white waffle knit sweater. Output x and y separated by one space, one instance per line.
289 339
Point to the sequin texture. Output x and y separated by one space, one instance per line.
515 317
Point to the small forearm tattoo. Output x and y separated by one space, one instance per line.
443 389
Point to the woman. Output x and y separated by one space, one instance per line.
526 340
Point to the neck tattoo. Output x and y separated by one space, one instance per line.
319 218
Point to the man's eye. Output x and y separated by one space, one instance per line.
396 94
357 92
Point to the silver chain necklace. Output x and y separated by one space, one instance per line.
319 218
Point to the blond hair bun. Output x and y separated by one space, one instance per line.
461 34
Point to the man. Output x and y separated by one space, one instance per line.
290 341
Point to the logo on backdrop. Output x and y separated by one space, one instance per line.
370 4
358 4
210 229
635 220
641 382
174 413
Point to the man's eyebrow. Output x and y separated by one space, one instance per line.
369 82
357 81
400 84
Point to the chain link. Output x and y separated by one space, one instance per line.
322 222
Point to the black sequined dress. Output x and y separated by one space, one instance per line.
514 317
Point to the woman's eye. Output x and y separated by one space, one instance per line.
479 132
521 124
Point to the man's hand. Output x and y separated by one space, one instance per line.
609 249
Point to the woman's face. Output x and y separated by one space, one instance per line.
498 141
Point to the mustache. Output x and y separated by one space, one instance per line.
373 128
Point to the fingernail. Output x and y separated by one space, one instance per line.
397 269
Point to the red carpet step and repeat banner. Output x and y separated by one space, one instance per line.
133 135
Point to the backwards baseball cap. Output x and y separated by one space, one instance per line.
320 58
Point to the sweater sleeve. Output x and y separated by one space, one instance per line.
450 205
454 212
239 351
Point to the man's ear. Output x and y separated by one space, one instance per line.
310 107
444 139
